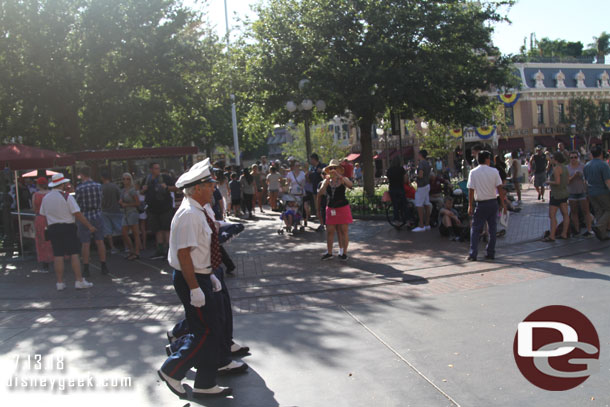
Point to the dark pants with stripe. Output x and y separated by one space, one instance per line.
224 314
226 259
485 211
201 349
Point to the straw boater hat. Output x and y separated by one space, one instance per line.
58 179
334 165
197 174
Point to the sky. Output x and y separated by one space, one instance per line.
556 19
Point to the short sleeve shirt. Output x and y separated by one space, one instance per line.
577 185
297 183
596 173
425 167
58 209
110 198
484 180
190 230
274 181
89 199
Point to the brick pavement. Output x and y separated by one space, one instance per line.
280 273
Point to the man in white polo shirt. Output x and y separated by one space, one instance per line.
192 257
484 184
61 210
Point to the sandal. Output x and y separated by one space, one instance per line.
133 257
548 239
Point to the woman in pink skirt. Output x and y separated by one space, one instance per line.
338 212
44 251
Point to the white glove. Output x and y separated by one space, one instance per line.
216 286
197 297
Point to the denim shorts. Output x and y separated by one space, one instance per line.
85 236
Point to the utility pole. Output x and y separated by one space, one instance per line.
233 111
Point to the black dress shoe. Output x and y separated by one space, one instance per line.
233 368
488 257
173 384
222 391
471 258
242 351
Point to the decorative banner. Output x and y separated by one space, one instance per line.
457 133
509 99
606 126
485 132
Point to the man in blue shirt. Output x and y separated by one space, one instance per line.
597 175
89 199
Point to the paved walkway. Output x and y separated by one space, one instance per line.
381 328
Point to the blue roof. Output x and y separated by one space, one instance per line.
591 75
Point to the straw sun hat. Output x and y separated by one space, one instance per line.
333 165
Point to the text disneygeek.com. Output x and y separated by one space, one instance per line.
66 384
36 372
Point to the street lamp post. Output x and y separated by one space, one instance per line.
306 106
573 136
233 110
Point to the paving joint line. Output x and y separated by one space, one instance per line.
395 352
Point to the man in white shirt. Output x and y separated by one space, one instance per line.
483 182
61 211
192 256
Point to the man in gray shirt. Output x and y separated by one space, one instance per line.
422 195
112 216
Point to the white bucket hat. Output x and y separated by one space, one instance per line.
58 179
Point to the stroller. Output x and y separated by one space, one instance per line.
291 216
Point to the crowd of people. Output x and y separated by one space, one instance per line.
102 211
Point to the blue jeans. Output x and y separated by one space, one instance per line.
485 211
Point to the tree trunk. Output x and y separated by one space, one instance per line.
368 169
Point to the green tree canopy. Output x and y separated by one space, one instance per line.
588 117
429 58
90 74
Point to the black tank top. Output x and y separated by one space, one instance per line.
336 197
539 163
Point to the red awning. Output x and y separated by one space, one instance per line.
352 157
511 144
135 153
20 157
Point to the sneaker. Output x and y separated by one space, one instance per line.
82 284
427 227
60 286
320 228
113 251
419 229
587 234
327 256
343 257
